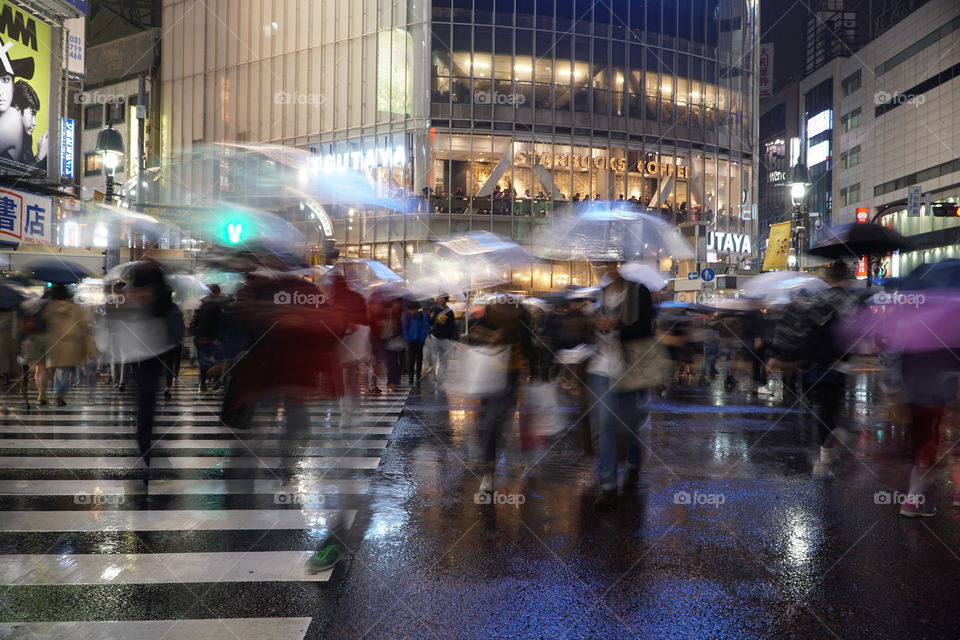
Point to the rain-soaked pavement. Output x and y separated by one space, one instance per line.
728 536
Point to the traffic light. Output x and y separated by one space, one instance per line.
946 210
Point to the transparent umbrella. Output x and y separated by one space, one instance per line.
365 275
610 235
646 275
778 286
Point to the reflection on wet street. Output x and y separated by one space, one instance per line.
727 536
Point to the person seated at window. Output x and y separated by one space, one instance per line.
563 197
541 195
620 199
458 192
596 197
576 197
527 195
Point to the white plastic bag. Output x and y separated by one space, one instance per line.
475 372
355 347
542 403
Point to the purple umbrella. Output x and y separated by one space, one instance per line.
905 322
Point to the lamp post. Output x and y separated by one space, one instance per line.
799 181
111 149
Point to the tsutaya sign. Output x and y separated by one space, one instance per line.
369 159
722 242
584 161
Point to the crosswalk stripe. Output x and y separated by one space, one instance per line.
131 443
173 520
157 568
184 462
53 430
178 487
210 629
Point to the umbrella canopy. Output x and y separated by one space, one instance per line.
364 275
13 294
858 239
584 293
939 275
537 303
646 275
121 272
57 271
187 290
777 284
610 235
426 288
906 321
483 259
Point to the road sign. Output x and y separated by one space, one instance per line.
708 274
693 275
913 202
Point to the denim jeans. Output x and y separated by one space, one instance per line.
611 412
61 381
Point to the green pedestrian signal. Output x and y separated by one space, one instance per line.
234 232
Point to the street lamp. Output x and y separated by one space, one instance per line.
110 147
799 181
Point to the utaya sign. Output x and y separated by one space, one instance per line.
584 161
369 159
722 242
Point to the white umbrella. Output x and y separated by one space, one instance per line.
364 275
610 235
779 284
646 275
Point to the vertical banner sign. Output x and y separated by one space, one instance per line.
25 217
913 202
765 77
863 215
862 268
778 246
76 34
66 147
24 91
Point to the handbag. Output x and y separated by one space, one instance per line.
478 371
543 405
396 343
644 362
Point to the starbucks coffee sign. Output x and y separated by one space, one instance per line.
584 161
723 242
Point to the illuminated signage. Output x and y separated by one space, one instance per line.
66 147
584 161
777 176
863 214
818 153
369 159
819 123
722 242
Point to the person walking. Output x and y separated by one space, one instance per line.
387 326
804 339
207 331
443 332
504 325
69 341
619 376
355 347
416 328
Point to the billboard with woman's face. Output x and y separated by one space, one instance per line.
24 91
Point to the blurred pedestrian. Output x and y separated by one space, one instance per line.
69 341
619 376
416 328
207 327
804 339
444 332
355 348
506 325
387 326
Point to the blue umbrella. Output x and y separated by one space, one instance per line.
939 275
13 294
58 271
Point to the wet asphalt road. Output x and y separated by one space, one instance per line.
761 549
728 536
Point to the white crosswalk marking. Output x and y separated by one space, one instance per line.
80 515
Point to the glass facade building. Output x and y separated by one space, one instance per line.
493 115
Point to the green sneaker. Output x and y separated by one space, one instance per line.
327 556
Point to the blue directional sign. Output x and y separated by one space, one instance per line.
708 274
693 275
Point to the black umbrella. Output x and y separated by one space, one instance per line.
858 239
58 271
12 294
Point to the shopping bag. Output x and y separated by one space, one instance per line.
355 346
475 372
543 405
